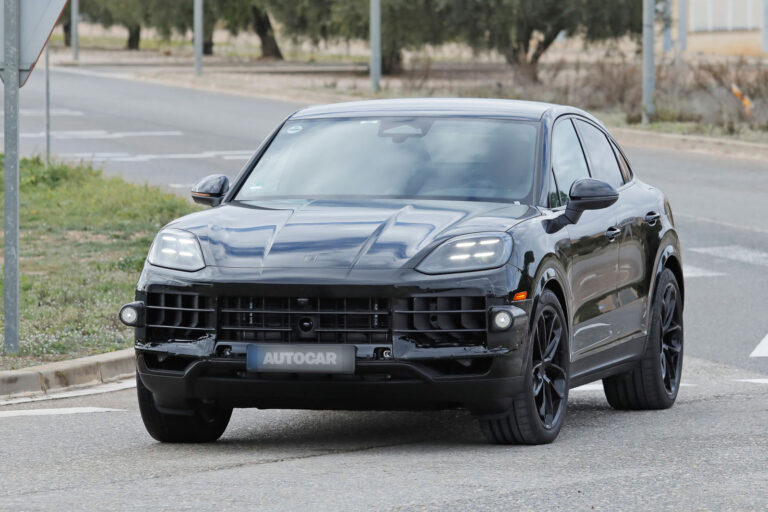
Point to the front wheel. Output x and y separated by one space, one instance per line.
538 412
655 381
206 423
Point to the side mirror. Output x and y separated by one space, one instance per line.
589 194
210 190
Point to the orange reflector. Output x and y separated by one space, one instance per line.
520 296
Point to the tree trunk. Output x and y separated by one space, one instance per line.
208 47
263 28
391 62
67 26
134 37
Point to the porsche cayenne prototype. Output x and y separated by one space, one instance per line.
417 254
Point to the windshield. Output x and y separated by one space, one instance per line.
416 157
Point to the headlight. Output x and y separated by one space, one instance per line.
177 249
478 251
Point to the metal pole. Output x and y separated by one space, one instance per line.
11 80
47 107
375 28
649 80
74 6
198 36
682 25
765 26
667 25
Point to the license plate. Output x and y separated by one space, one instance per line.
290 358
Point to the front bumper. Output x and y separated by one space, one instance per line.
392 373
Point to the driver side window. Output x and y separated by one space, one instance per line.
568 162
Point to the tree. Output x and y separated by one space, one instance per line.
244 14
169 16
405 23
523 30
131 14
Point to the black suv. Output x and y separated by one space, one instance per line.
414 254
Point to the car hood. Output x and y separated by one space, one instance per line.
339 234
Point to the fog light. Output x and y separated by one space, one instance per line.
131 314
502 320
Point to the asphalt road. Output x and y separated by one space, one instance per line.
708 452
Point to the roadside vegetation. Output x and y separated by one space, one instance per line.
83 241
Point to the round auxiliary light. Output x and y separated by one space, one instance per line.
129 315
502 320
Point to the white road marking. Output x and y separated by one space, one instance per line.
181 185
55 112
56 412
753 381
99 134
598 386
690 271
718 222
128 157
761 350
736 253
593 386
93 390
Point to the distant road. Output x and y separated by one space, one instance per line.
144 132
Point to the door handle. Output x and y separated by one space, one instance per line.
612 233
652 218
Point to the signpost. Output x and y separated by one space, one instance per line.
375 34
197 28
649 72
74 37
26 27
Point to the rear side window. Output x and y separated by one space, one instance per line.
567 160
601 157
625 169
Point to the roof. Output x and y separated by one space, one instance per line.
531 110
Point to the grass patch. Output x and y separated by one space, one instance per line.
83 241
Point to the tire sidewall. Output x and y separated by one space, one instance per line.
653 347
547 298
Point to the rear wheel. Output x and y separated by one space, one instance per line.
538 413
206 423
655 381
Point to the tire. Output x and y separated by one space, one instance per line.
205 425
538 413
655 381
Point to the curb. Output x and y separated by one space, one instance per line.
692 143
85 371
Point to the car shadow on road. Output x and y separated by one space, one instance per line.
344 430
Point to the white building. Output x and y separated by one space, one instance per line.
729 27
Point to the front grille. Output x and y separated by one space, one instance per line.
179 316
428 321
443 321
300 319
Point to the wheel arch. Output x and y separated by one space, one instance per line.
674 264
551 276
668 257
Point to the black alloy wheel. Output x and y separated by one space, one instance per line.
671 339
538 413
549 377
655 381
